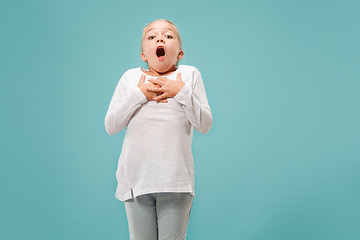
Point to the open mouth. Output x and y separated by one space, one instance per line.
160 52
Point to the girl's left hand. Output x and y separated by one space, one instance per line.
168 87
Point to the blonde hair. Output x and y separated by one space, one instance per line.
172 24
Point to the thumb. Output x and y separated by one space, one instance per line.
178 77
142 79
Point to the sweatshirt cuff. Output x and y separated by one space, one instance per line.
139 95
180 96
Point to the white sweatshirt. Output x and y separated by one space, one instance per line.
156 154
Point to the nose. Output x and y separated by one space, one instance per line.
160 40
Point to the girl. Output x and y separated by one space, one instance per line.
159 107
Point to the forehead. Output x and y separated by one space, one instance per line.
160 26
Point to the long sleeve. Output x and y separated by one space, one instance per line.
195 104
125 101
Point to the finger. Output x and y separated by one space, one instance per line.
156 81
142 79
154 89
151 85
163 79
154 85
163 101
162 96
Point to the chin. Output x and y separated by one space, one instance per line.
162 67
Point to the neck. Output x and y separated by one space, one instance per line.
153 72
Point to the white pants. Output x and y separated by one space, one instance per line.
159 216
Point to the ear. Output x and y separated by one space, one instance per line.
180 55
143 58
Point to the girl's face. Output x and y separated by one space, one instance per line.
161 47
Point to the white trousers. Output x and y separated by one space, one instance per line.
159 216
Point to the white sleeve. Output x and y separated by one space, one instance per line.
195 104
123 104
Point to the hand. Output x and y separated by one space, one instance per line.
168 88
149 95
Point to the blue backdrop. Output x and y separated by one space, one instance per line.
281 161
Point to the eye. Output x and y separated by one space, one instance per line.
169 36
151 37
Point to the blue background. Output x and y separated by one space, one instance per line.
281 161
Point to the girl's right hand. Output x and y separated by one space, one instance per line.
149 95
